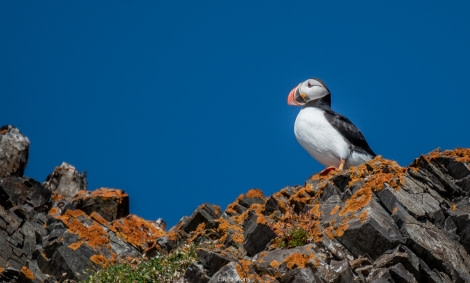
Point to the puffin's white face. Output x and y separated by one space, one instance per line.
306 91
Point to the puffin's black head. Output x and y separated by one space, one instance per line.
309 90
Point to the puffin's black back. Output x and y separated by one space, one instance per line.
349 131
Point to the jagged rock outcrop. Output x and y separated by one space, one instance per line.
376 221
58 230
372 223
66 181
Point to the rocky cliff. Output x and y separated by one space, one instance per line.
372 223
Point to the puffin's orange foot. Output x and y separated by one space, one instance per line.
327 170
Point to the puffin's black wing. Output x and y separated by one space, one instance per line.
349 131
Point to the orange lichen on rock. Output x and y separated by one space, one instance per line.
76 245
94 235
377 172
335 210
329 232
274 264
342 228
378 180
100 260
255 193
236 232
241 267
357 201
245 265
230 210
245 271
109 193
460 154
321 176
97 217
54 211
304 194
200 229
57 197
173 235
297 260
256 207
136 231
261 219
282 204
27 272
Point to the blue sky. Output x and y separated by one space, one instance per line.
184 102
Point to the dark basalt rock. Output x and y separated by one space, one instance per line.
66 263
211 261
111 204
24 191
203 214
257 235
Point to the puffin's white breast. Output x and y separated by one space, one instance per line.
319 137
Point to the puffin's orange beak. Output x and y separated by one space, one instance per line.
291 97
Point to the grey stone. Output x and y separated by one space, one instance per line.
329 191
66 180
212 261
437 250
436 178
165 243
400 275
228 273
300 275
195 273
14 151
342 271
373 236
460 217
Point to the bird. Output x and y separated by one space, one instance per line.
329 137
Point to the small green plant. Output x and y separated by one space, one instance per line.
294 238
297 229
162 268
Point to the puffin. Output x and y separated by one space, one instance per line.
329 137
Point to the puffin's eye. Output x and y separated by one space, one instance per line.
309 84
